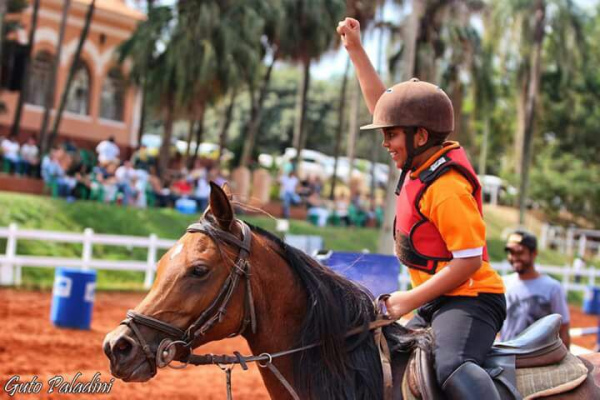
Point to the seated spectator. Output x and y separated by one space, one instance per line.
141 158
341 208
181 187
104 176
108 151
54 175
158 191
83 183
215 176
30 158
69 146
202 192
288 192
140 182
10 152
125 176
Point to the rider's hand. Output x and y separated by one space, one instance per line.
398 305
349 30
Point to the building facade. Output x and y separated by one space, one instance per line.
101 102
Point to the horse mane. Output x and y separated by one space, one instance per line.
340 368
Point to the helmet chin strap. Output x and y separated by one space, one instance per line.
411 153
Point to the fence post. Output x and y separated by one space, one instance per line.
544 236
582 245
7 272
151 262
570 240
565 281
88 233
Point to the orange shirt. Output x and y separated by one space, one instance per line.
449 204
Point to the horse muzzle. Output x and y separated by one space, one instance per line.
127 360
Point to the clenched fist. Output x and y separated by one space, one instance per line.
349 30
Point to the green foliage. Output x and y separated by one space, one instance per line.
561 181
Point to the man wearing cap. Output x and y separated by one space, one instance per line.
529 294
439 229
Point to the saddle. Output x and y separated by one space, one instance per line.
513 365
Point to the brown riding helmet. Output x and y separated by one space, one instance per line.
414 103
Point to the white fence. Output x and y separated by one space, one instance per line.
11 262
571 241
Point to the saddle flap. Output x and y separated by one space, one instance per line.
536 346
541 334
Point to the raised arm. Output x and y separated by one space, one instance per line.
370 84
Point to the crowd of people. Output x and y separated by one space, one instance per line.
355 209
104 175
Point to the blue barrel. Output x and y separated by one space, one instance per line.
591 300
73 298
377 272
186 206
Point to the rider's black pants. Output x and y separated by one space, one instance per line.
464 328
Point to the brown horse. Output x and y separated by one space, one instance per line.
206 291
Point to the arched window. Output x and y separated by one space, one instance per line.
112 98
78 100
39 79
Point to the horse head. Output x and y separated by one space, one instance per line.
201 293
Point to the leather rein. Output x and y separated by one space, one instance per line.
215 313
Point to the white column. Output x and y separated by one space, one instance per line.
7 273
151 262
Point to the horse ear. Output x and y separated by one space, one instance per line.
220 206
227 189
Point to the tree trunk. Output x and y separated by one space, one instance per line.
520 132
301 112
72 70
188 150
140 133
165 147
199 130
51 89
256 116
386 239
16 127
484 145
3 9
340 129
353 128
532 93
225 125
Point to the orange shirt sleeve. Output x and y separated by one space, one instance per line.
449 204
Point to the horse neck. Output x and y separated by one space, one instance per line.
280 305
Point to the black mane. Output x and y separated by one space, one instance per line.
341 368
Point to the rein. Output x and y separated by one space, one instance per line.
215 313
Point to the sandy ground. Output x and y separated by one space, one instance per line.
30 345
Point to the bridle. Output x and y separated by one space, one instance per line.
215 312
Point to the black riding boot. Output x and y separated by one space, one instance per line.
470 382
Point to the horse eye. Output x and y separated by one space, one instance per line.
200 271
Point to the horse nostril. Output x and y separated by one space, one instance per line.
122 348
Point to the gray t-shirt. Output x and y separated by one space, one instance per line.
529 300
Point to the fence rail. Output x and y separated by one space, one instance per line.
11 263
571 241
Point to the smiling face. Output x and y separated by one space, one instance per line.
394 141
520 257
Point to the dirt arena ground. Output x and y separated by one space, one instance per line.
30 345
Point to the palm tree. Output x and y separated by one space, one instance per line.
72 70
16 127
51 89
305 40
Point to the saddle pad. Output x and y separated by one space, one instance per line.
551 380
537 382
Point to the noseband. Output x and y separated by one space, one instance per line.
213 314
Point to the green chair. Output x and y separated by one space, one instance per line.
334 219
356 216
